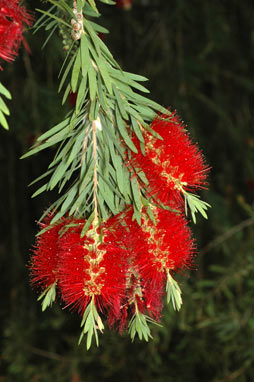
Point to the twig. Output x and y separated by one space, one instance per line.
84 147
46 354
237 373
225 236
95 178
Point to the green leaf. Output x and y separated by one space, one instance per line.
136 193
64 76
66 58
103 210
92 110
40 190
137 129
147 113
143 177
3 121
42 21
54 130
135 77
92 82
91 323
69 200
87 225
58 174
63 6
98 28
173 292
75 72
50 35
94 38
82 93
78 145
102 96
66 94
4 91
59 215
118 163
82 201
105 75
123 131
107 194
122 103
110 2
80 4
61 21
93 5
139 325
88 11
48 296
195 205
119 74
41 177
85 55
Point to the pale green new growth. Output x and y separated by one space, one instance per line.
173 292
138 325
3 108
90 324
195 205
48 296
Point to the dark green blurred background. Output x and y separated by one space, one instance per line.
199 56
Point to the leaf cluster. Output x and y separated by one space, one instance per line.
89 168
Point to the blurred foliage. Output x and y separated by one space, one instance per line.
199 56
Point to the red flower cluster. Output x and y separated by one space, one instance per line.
121 266
13 18
91 266
172 165
154 250
83 267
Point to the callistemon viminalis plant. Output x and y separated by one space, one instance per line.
125 167
13 19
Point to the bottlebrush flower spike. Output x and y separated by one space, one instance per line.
173 165
44 261
145 300
92 273
13 18
155 250
170 246
169 249
158 249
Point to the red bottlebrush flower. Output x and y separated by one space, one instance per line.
172 165
139 294
154 251
166 246
170 246
124 4
13 18
43 266
157 249
146 297
90 269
